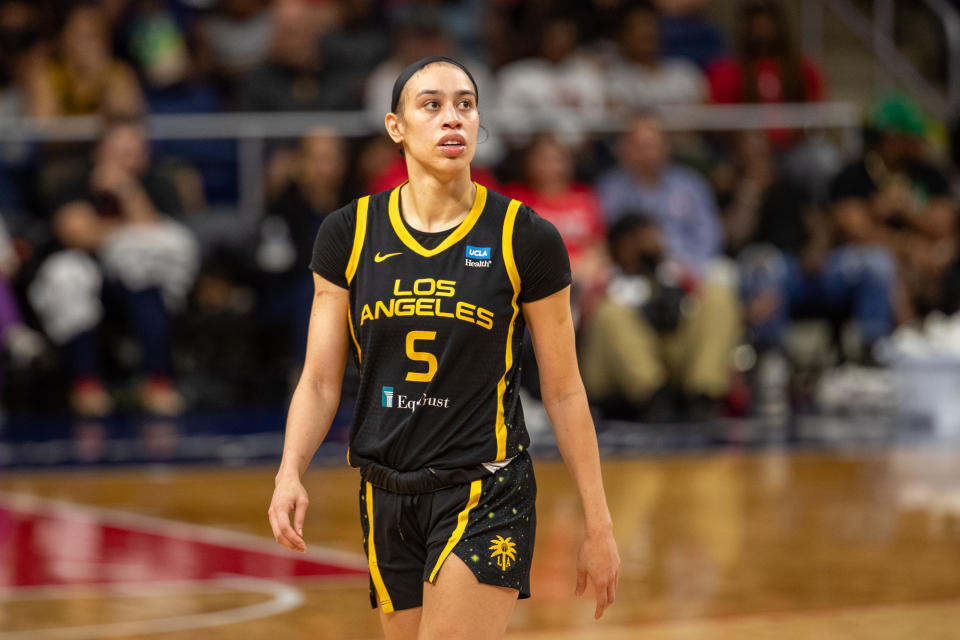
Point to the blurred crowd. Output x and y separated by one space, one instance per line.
693 254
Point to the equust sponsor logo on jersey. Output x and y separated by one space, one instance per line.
427 297
411 403
478 256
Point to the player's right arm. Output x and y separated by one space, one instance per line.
312 409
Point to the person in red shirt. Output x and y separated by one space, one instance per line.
767 67
574 209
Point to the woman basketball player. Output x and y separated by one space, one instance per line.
430 286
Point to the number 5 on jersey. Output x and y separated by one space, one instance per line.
421 356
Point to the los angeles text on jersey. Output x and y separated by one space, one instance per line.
427 297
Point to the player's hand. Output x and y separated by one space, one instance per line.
289 495
599 562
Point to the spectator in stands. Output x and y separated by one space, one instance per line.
640 77
680 200
649 337
558 77
906 202
357 44
17 341
682 205
314 189
157 38
84 78
295 75
573 208
687 32
761 206
21 50
235 40
116 248
767 67
795 262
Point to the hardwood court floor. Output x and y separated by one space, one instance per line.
714 545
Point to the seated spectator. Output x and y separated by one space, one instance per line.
17 341
795 262
573 208
234 40
688 32
532 89
766 68
679 199
20 52
295 76
650 337
640 77
84 78
357 44
907 201
761 206
682 206
157 39
116 248
314 189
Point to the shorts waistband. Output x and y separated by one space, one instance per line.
426 480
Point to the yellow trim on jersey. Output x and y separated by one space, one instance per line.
462 518
359 233
386 604
479 200
353 334
514 275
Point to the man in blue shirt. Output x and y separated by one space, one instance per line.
627 357
679 199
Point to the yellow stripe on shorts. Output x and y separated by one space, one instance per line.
386 604
458 531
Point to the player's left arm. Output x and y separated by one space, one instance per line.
565 400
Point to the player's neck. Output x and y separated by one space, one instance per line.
431 203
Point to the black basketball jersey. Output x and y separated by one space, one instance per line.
436 330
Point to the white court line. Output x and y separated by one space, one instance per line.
285 598
175 528
158 589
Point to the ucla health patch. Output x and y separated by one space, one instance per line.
479 256
478 253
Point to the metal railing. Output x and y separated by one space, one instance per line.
876 33
253 130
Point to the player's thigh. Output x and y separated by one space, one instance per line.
456 605
401 625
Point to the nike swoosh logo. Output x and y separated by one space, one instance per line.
380 258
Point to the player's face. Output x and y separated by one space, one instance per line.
439 121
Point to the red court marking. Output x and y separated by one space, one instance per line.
54 543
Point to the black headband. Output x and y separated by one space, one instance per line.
411 69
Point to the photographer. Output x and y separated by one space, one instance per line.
656 347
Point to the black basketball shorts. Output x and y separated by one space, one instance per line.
489 524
